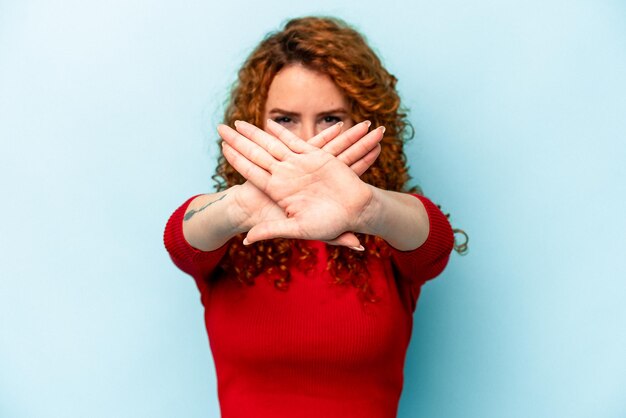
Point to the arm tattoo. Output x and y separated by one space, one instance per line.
192 212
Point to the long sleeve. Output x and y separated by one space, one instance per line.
199 264
427 261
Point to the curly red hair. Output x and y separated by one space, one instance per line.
332 47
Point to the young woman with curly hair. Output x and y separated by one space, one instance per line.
311 255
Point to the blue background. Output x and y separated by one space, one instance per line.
107 117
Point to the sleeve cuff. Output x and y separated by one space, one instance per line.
428 260
189 259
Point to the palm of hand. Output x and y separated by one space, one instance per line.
256 207
320 195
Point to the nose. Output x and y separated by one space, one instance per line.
307 131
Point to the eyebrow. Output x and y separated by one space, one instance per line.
289 113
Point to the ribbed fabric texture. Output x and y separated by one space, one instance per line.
316 349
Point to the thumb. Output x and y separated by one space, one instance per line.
347 239
288 228
283 228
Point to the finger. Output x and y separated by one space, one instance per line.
326 135
251 151
347 138
266 141
362 147
250 171
366 162
288 138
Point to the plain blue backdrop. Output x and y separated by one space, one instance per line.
107 124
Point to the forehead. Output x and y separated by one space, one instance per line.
297 88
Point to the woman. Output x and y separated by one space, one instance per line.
310 257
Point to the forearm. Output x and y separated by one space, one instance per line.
398 218
210 220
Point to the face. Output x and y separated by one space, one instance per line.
306 102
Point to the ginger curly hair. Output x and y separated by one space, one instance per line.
332 47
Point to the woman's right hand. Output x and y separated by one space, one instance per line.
251 207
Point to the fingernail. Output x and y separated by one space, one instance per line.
382 128
245 241
236 123
367 123
340 124
359 248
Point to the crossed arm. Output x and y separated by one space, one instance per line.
304 190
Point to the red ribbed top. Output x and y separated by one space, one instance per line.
315 350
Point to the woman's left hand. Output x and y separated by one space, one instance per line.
320 194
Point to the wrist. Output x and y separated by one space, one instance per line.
238 218
368 222
398 218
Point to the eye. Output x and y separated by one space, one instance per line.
283 119
330 119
